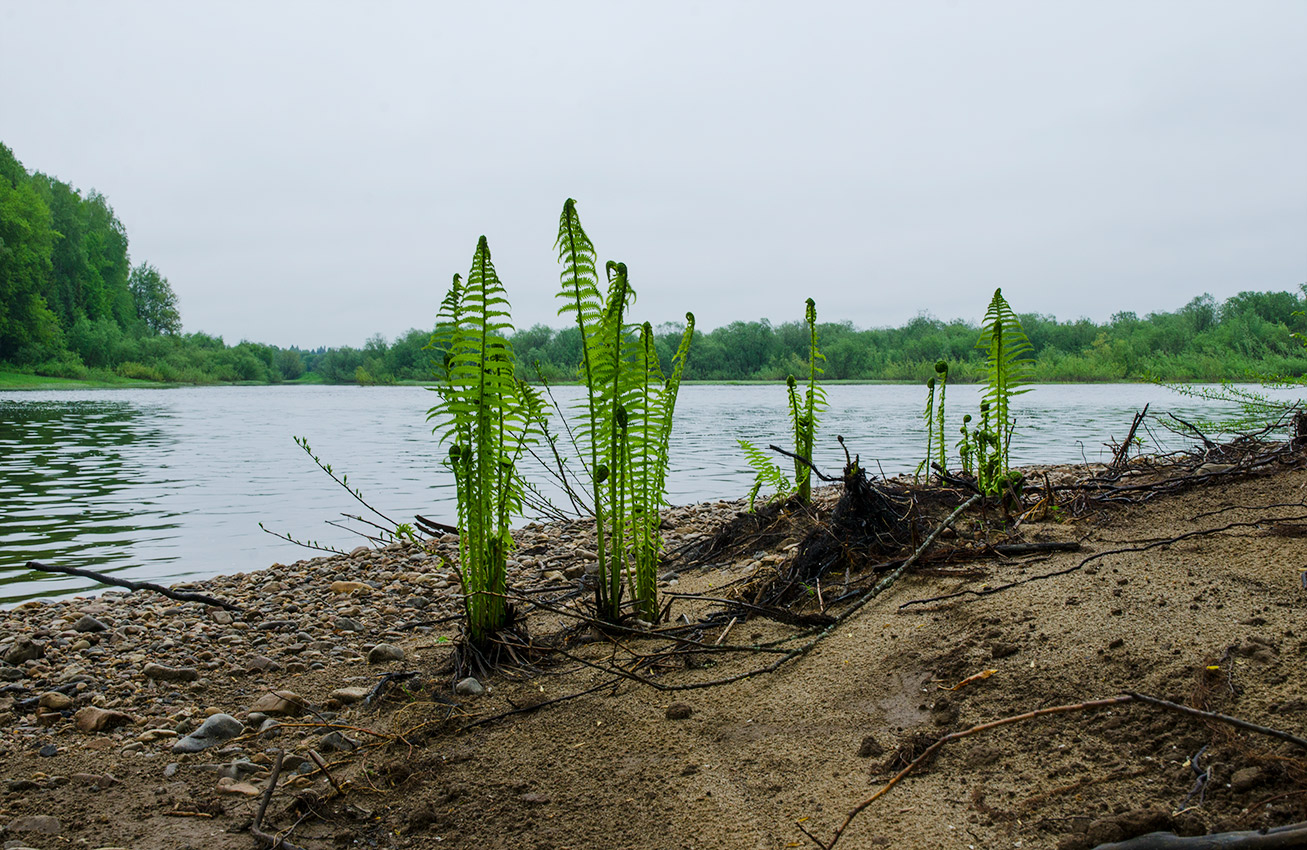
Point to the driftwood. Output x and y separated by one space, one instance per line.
1290 835
179 595
1122 456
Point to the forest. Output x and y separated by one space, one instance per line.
73 305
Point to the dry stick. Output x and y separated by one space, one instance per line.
1222 718
179 595
275 842
1123 453
317 759
987 591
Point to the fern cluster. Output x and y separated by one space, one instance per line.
483 414
626 419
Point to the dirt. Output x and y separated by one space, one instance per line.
1213 621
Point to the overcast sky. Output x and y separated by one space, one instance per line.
313 173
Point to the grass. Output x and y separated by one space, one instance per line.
24 381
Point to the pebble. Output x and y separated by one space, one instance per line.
335 742
280 704
348 696
227 785
23 649
164 673
384 652
87 623
40 824
679 711
54 701
95 719
469 687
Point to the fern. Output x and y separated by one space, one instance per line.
483 417
768 473
805 411
1007 363
627 419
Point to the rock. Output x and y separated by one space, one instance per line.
679 711
1246 779
87 623
280 704
348 696
359 551
469 687
385 652
263 664
101 780
24 649
95 719
9 673
341 587
239 769
227 785
534 798
41 824
347 624
334 742
149 736
164 673
221 617
54 701
48 751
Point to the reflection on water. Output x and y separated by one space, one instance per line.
170 484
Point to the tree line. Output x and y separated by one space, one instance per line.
73 305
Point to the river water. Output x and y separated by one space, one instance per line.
171 484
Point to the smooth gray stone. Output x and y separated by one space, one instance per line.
218 729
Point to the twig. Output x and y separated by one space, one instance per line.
322 766
1123 453
179 595
1290 835
805 462
275 842
1220 718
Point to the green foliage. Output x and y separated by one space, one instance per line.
481 416
156 303
1007 366
805 410
768 474
626 418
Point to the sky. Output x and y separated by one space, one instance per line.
313 173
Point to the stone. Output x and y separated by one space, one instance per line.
227 785
95 719
10 673
679 711
149 736
279 704
348 696
54 701
24 649
870 748
385 652
341 587
348 624
469 687
40 824
48 751
359 551
87 623
221 617
335 742
101 780
164 673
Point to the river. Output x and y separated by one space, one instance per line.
171 484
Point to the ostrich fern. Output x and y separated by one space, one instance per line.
482 416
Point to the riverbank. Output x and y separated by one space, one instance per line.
1212 619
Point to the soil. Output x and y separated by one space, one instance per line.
1213 621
